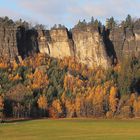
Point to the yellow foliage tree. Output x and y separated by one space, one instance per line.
3 65
15 65
132 99
136 107
98 97
70 107
42 102
56 109
14 78
113 100
39 80
79 106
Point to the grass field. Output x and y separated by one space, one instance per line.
71 129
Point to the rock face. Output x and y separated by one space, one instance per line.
44 41
8 43
89 45
61 45
85 45
90 48
55 42
126 42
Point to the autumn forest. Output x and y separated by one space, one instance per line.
41 86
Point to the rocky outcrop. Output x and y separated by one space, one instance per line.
44 40
55 42
126 42
90 48
86 45
61 44
89 45
8 43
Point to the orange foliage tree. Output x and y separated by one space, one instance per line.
79 106
70 108
113 100
136 107
56 110
40 80
42 104
15 78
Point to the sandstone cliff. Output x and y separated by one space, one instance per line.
126 42
8 43
61 45
85 45
89 45
90 48
55 42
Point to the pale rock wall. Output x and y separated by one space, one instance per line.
90 48
42 42
88 45
85 45
55 42
60 45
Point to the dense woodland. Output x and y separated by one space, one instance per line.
41 86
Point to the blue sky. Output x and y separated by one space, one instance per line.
67 12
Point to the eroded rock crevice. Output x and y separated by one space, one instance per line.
109 46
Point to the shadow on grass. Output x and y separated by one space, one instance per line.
19 120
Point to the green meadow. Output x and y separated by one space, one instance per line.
71 129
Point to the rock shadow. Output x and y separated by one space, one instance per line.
109 46
27 42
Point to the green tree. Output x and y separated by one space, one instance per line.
128 20
110 23
1 107
92 20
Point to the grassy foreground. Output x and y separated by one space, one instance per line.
71 129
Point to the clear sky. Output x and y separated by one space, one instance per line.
68 12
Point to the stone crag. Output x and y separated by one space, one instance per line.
85 45
88 45
126 42
8 43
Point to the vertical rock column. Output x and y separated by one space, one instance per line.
8 43
43 41
90 48
60 45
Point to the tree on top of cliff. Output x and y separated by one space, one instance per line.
59 26
81 24
6 21
92 20
97 23
40 27
136 23
94 23
128 23
111 23
128 20
20 23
